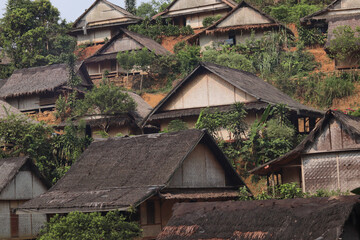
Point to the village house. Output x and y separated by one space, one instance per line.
117 124
148 172
239 25
301 218
104 60
38 88
327 159
338 13
101 22
217 87
20 181
192 13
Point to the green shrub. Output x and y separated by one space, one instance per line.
289 190
177 125
210 20
90 226
311 36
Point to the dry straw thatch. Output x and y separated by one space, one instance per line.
310 218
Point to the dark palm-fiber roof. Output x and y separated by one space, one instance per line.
6 109
9 167
141 39
245 81
41 79
350 124
302 218
122 172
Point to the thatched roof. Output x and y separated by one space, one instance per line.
41 79
230 3
9 167
303 218
6 109
142 107
350 125
131 19
274 24
144 41
245 81
121 172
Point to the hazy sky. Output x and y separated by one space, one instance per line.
71 9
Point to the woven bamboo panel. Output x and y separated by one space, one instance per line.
349 168
320 172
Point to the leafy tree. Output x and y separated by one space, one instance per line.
126 60
149 9
90 226
146 10
130 6
107 99
52 153
232 121
270 137
143 59
32 35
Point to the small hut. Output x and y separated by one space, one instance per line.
328 158
239 25
338 13
117 124
303 218
38 88
105 58
100 22
192 13
20 181
148 172
218 87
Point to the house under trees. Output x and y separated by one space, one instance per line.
148 172
104 60
328 158
217 87
338 13
38 88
